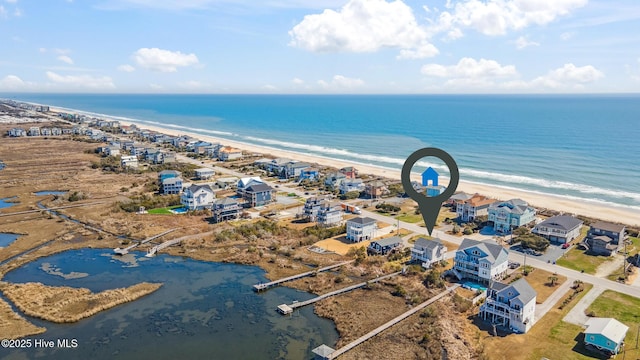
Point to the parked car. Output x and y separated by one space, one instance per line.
566 245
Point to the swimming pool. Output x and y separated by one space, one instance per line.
474 286
181 210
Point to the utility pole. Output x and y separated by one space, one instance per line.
624 262
524 267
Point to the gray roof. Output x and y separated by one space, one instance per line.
515 206
167 172
172 180
564 222
428 244
610 328
362 220
225 201
388 241
193 188
259 188
461 196
495 253
527 293
607 226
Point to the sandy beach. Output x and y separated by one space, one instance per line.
569 206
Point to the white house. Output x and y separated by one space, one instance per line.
349 185
197 197
228 153
204 173
508 215
510 305
427 252
130 161
361 228
559 229
480 261
172 185
17 132
328 215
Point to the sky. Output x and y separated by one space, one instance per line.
320 47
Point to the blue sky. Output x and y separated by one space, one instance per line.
330 46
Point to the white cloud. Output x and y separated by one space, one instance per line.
269 87
496 17
567 35
163 60
81 81
340 82
469 68
126 68
297 81
65 59
522 43
363 26
11 1
3 12
61 51
12 82
569 74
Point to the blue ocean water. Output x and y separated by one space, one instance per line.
578 146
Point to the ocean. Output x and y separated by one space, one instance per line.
583 147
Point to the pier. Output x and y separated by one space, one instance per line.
263 286
285 309
152 252
125 251
325 352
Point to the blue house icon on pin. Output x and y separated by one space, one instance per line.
429 175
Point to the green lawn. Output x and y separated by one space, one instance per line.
625 309
164 210
576 259
409 217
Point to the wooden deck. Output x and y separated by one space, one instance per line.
263 286
125 251
285 309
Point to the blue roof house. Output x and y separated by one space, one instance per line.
605 334
429 175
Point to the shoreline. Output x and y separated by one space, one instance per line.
587 208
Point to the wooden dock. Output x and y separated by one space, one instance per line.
285 309
125 251
325 350
264 286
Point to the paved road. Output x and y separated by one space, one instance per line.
542 309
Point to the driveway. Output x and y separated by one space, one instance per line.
552 254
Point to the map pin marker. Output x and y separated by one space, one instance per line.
430 205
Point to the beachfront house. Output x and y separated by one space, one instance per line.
311 208
226 183
225 209
34 131
385 246
606 334
376 189
512 306
477 205
559 229
458 198
293 169
228 153
604 238
276 166
349 185
427 252
204 173
259 194
328 215
361 228
197 197
480 261
245 182
309 173
511 214
350 172
334 180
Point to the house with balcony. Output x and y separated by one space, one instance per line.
171 185
197 197
559 229
480 261
17 132
309 173
350 172
604 238
510 305
329 216
511 214
204 173
255 191
605 334
129 161
349 185
427 252
385 246
361 229
376 189
477 205
225 209
334 180
228 153
311 208
293 169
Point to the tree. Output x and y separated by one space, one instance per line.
456 229
359 253
535 242
552 280
434 279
